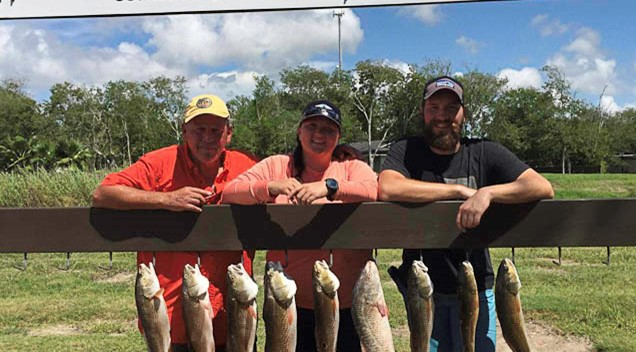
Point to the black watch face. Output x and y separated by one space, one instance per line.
331 184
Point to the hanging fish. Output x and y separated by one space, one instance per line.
151 309
508 305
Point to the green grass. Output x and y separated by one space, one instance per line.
583 296
589 186
90 309
66 188
83 309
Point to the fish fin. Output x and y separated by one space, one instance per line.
334 306
208 306
158 294
383 309
290 316
362 347
252 312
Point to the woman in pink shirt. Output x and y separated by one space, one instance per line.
312 176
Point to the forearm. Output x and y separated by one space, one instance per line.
408 190
246 192
357 191
528 187
127 198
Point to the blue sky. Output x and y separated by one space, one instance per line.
591 41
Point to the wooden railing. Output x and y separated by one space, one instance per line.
562 223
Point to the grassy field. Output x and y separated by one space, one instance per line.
588 186
91 309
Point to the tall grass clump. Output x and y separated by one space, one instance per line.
41 188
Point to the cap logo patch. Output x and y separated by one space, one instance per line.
204 103
324 106
444 83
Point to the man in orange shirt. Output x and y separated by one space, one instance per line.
184 178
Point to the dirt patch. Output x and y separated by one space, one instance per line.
118 278
55 330
564 262
546 339
556 270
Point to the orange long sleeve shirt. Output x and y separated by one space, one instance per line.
169 169
357 182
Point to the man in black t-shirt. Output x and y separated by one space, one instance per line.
440 165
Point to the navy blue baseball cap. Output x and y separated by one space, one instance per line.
322 108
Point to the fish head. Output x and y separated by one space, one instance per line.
148 280
282 287
369 284
420 279
324 279
194 283
466 277
240 284
508 275
466 271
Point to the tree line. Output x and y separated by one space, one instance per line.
110 126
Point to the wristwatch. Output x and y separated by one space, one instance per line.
332 188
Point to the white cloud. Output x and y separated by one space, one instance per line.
430 15
587 43
585 65
40 59
549 27
398 65
256 41
470 45
608 104
527 77
228 49
226 84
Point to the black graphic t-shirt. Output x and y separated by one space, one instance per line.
477 164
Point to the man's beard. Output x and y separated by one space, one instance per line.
446 141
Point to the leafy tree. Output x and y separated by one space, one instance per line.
19 114
167 98
301 85
81 115
262 126
523 120
372 95
481 92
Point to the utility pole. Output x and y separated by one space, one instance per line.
339 14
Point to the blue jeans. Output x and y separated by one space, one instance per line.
447 336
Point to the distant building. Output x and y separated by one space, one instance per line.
380 155
628 163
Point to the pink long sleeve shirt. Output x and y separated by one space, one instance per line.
357 182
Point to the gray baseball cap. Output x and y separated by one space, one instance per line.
444 82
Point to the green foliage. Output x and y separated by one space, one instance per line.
112 125
19 114
524 120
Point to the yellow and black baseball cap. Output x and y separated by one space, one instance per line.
205 104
